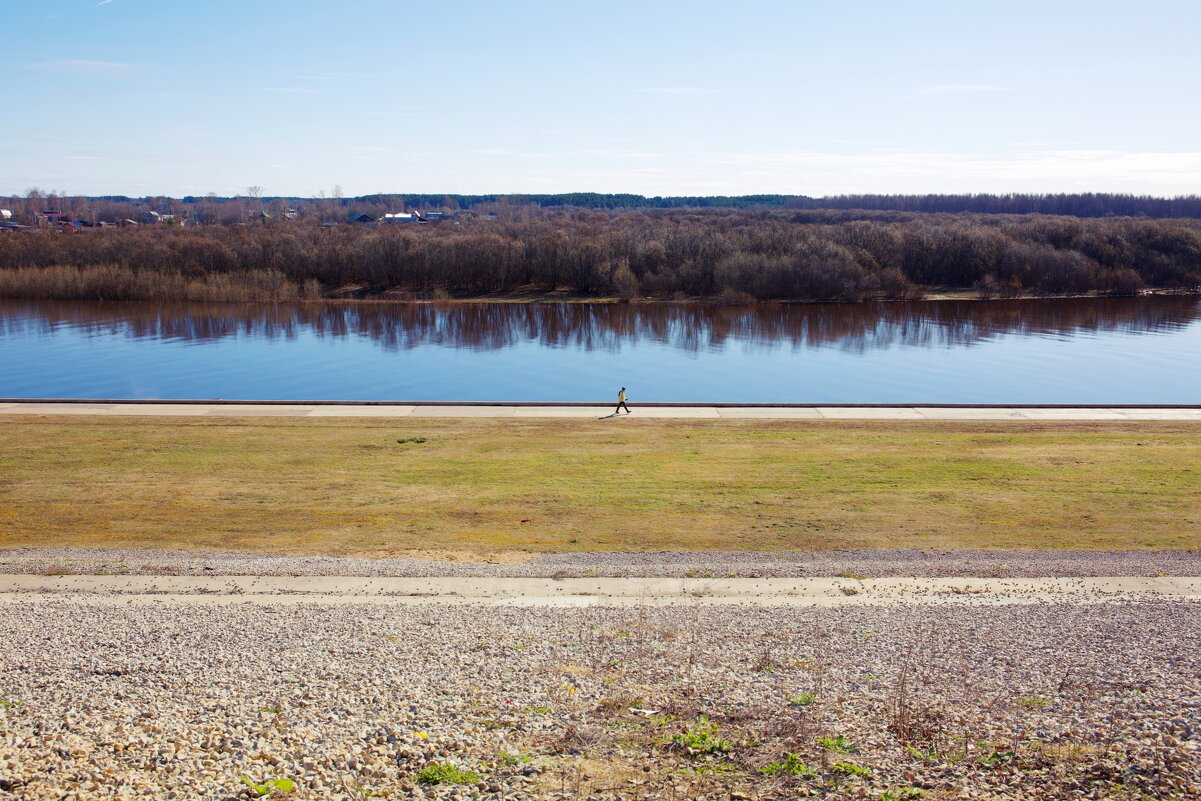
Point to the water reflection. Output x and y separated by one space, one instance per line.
686 327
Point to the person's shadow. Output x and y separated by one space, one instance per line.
607 416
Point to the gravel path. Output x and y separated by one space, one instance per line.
1033 701
577 592
751 564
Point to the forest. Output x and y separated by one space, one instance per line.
335 208
728 255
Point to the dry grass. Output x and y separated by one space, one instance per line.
348 487
117 282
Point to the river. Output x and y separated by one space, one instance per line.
1094 350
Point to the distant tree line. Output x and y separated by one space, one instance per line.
731 255
228 210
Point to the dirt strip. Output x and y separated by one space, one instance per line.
596 591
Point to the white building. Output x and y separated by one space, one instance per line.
401 217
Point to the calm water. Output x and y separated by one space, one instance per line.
1121 350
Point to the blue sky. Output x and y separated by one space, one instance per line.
657 97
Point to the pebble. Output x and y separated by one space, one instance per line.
1035 700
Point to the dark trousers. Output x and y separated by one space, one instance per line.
619 405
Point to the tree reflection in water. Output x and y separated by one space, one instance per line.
587 327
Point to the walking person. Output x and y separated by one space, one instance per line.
621 401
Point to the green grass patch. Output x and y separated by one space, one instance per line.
393 487
440 773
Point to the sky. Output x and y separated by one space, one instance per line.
659 97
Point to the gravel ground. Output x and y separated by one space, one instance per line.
752 564
1034 701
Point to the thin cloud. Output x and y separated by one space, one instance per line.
103 3
674 90
962 89
370 149
88 67
291 90
168 94
332 75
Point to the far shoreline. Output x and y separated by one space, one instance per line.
561 296
347 296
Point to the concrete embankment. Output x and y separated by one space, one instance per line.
764 411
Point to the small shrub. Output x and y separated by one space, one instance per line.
851 769
625 283
837 744
702 739
718 769
1033 701
510 760
620 701
803 699
790 765
702 742
765 665
492 724
926 755
998 757
440 773
414 440
269 786
903 794
1122 282
734 297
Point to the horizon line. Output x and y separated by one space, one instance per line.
58 194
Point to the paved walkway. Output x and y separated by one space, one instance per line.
797 412
592 591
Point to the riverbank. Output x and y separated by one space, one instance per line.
359 294
251 288
370 486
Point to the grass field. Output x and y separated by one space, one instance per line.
389 487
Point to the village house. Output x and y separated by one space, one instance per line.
402 217
155 217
